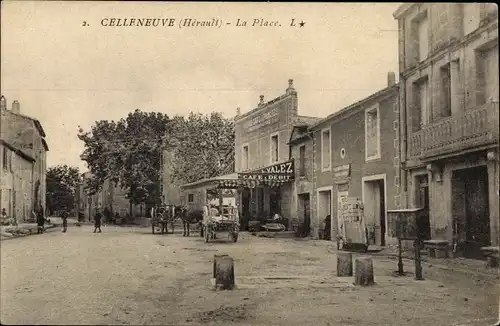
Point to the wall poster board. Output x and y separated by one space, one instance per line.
352 230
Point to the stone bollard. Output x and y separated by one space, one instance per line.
224 273
364 271
344 264
216 259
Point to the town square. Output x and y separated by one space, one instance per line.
341 169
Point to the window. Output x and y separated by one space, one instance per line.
274 148
302 157
244 164
445 90
487 75
326 147
420 30
470 17
190 198
372 133
420 104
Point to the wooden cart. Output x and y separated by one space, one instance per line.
161 216
225 222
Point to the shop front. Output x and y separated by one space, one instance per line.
260 195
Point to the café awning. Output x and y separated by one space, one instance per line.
273 176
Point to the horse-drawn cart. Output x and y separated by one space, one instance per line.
226 222
160 218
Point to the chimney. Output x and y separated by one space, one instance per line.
261 103
3 103
290 88
391 79
16 108
238 112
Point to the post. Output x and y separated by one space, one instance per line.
344 264
224 273
418 263
400 258
364 271
216 259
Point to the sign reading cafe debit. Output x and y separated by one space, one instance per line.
277 172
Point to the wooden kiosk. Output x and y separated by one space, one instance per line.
403 225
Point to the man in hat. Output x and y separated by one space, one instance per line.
97 220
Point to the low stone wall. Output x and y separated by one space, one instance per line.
9 232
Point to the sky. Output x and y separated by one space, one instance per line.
67 70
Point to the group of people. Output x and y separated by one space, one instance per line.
6 220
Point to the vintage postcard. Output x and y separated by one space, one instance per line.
249 163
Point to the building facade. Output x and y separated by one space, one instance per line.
24 153
170 190
264 164
449 118
110 196
356 155
302 150
261 140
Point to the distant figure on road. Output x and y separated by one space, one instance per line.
97 220
65 221
40 220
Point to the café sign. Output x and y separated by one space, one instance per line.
278 172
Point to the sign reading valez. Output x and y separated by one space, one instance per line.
277 172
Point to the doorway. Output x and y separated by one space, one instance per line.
471 210
305 213
324 203
423 223
245 208
374 209
274 202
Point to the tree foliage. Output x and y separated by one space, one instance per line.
62 182
128 152
205 147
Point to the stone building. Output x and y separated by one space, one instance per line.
261 147
449 118
302 151
111 196
23 173
261 140
356 155
170 190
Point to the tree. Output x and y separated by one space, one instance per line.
205 147
62 182
128 153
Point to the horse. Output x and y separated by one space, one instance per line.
189 217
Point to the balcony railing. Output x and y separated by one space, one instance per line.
472 128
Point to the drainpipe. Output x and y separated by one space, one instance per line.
402 114
313 182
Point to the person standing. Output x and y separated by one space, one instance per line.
40 220
65 221
97 220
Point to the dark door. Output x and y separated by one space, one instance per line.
382 212
476 210
307 214
245 209
424 224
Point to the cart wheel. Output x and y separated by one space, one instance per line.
207 236
235 236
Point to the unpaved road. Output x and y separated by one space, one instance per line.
129 276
